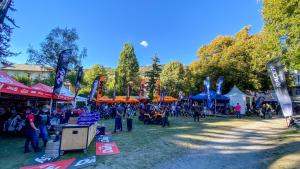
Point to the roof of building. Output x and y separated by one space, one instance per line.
26 67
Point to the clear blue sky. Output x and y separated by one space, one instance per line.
175 29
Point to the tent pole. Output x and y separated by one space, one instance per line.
216 106
51 103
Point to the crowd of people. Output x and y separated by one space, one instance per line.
35 122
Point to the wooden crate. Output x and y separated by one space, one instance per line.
77 137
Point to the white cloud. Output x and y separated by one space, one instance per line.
144 43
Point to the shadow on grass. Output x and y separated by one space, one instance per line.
150 145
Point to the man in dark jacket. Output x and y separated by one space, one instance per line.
43 121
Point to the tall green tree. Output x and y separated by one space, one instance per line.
89 77
56 41
282 17
127 70
153 75
241 59
172 78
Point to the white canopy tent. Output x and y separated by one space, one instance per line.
237 96
66 92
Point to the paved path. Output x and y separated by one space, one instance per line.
238 148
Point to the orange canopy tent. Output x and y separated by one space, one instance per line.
104 99
124 99
166 99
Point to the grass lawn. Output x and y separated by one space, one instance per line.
144 147
286 155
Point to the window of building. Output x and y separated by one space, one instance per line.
298 92
298 78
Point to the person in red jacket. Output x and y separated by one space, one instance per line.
31 132
238 110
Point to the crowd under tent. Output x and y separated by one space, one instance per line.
237 96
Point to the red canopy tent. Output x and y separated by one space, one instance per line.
11 86
40 86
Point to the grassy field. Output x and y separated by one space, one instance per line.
287 153
146 145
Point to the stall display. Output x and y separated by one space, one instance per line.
79 136
76 137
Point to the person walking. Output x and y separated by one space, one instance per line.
43 121
238 110
30 132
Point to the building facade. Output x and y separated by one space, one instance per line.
27 70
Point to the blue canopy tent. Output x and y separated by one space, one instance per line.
219 101
213 95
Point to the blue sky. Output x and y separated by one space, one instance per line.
175 29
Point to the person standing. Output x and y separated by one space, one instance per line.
238 110
118 118
129 116
43 121
165 116
195 109
30 132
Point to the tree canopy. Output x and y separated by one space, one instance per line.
153 75
127 70
172 78
282 17
55 42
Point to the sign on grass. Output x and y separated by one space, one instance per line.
104 139
106 148
63 164
84 162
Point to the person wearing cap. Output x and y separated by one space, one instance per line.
31 132
43 121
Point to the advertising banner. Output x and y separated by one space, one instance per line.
106 148
276 73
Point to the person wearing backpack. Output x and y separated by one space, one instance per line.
43 121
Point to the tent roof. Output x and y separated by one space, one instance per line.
12 86
65 94
213 95
235 91
123 99
166 99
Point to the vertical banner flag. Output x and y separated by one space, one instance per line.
142 86
100 87
276 73
61 70
93 89
207 91
162 95
219 85
78 80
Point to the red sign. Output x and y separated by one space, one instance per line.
63 164
106 148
